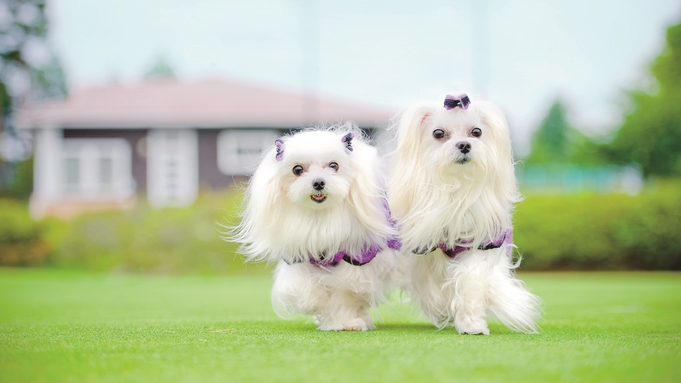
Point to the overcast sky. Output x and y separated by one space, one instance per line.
521 54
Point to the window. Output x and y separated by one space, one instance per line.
172 167
71 179
106 173
97 168
239 150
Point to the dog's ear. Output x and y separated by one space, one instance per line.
407 174
367 193
494 118
261 202
411 127
502 166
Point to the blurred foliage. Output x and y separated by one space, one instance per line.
5 101
16 179
22 240
172 240
567 232
601 231
25 56
167 241
29 70
651 133
649 138
555 141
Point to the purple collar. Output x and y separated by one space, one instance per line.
367 255
505 238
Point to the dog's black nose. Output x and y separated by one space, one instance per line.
463 146
318 184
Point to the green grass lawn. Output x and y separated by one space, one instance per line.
62 326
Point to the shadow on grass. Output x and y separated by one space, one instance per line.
303 326
300 326
406 327
496 330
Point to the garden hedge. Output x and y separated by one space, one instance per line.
601 231
552 232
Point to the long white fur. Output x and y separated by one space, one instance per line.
437 199
280 223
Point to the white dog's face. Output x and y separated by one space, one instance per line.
456 136
314 192
314 170
460 141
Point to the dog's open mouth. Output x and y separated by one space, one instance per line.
463 160
318 197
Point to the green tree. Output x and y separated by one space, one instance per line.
29 70
651 132
161 69
28 67
556 141
550 141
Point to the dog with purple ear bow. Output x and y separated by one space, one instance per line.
452 190
316 207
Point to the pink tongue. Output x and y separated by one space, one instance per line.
318 197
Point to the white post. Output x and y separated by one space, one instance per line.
172 167
47 170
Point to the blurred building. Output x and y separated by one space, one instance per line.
104 146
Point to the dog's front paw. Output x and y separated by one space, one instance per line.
357 324
472 327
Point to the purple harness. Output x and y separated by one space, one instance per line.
506 238
367 255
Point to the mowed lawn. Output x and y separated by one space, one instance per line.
64 326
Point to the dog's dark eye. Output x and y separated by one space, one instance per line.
334 166
297 170
438 134
476 132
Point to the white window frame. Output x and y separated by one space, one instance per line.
239 150
88 154
172 167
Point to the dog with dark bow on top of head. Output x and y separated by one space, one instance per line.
452 190
316 206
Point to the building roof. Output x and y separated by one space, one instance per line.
206 103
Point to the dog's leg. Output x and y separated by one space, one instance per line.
354 289
428 275
329 298
346 311
469 278
297 290
510 301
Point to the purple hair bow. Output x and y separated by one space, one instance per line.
347 140
280 149
462 101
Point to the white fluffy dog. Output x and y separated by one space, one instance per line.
452 191
316 205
